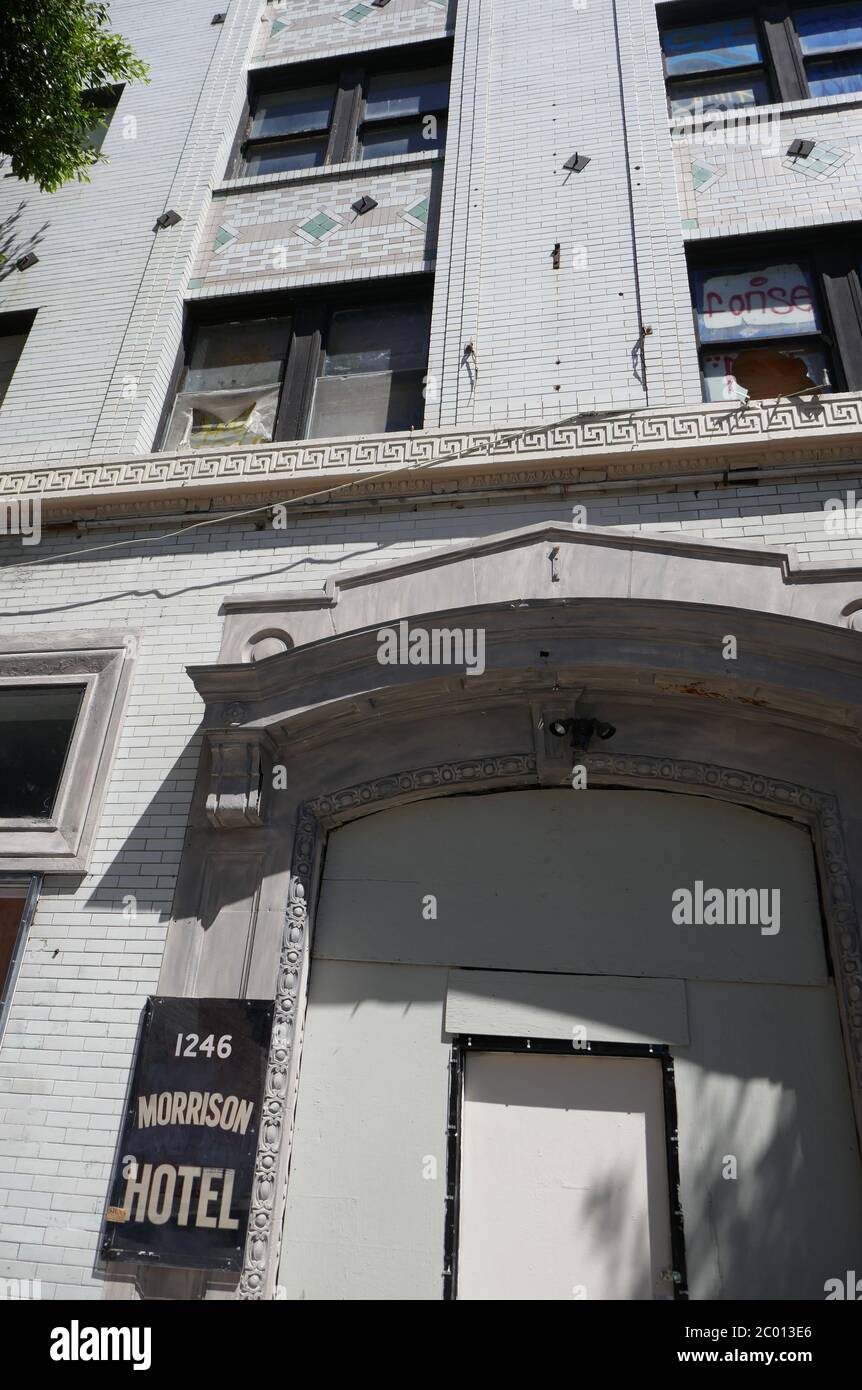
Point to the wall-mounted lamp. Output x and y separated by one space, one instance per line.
218 19
25 262
577 163
582 731
800 149
363 204
168 219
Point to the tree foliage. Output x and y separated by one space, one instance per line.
54 55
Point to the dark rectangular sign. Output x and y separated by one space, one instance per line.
181 1190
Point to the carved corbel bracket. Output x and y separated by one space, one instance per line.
240 761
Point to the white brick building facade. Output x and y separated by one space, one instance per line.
582 388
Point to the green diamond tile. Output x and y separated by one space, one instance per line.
319 225
419 211
356 13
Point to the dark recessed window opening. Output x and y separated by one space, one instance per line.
14 329
404 113
373 366
103 103
778 320
330 365
328 113
36 726
759 53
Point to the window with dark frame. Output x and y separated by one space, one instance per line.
36 728
776 319
328 365
103 103
326 114
14 329
758 54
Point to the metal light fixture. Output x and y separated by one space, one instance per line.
25 262
363 204
218 19
800 149
168 219
582 731
577 163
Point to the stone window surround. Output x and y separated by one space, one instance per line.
101 661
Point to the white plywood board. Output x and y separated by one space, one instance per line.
596 1008
563 1179
575 881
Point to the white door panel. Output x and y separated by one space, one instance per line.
563 1178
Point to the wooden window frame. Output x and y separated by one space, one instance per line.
310 311
350 78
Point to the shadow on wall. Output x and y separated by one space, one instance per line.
12 244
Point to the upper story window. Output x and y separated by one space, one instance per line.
328 365
103 102
777 319
759 54
14 329
325 114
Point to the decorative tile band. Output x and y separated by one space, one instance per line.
586 447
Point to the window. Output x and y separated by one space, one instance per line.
328 114
17 903
14 329
330 367
779 319
36 725
760 54
61 706
404 112
103 102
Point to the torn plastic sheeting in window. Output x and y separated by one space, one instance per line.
218 419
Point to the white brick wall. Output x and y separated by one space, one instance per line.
88 967
531 84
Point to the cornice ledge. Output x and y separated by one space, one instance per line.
712 439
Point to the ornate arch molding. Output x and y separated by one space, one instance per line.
819 810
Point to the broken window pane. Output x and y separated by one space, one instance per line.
775 301
764 372
292 113
36 724
230 390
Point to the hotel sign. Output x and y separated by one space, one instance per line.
181 1190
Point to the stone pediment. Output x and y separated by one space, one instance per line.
547 563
